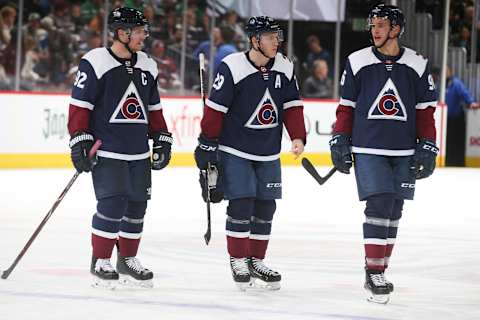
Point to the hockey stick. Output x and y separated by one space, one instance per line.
7 272
307 165
207 234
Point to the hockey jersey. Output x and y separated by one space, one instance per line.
253 101
385 93
120 94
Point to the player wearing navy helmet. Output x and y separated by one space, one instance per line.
115 99
385 118
253 96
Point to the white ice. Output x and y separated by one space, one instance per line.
316 244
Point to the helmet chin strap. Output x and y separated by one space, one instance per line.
126 44
259 49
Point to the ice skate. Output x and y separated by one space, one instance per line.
388 283
377 289
240 272
133 274
104 275
262 276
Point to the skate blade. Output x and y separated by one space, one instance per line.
104 284
378 298
128 281
243 286
260 284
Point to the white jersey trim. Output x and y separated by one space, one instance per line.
81 104
348 103
248 156
145 63
413 60
293 103
235 234
155 107
121 156
362 58
129 235
425 105
216 106
239 66
283 65
101 61
104 234
384 152
259 236
380 242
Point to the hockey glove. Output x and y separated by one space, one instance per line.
425 155
215 184
162 150
206 152
341 152
80 145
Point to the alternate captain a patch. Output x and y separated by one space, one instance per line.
388 105
265 115
130 109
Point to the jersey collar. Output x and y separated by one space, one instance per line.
384 58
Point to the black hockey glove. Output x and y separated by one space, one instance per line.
425 155
215 184
341 153
162 150
206 152
80 145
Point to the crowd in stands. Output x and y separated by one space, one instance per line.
57 33
460 20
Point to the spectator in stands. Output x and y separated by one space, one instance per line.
457 98
28 74
168 77
318 85
240 37
204 46
90 9
8 15
316 51
225 45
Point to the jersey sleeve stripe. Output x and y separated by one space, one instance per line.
155 107
81 104
424 105
293 103
216 106
348 103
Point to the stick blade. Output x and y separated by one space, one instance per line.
5 274
308 166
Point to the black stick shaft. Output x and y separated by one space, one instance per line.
7 272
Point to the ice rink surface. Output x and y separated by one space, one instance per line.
316 244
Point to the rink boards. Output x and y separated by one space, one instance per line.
34 131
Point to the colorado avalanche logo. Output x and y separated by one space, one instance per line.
130 109
265 115
388 104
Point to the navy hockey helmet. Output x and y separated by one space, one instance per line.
261 24
126 18
390 12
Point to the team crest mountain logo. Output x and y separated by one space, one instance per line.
130 109
388 104
265 115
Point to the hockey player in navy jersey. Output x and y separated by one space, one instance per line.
254 94
385 118
115 99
